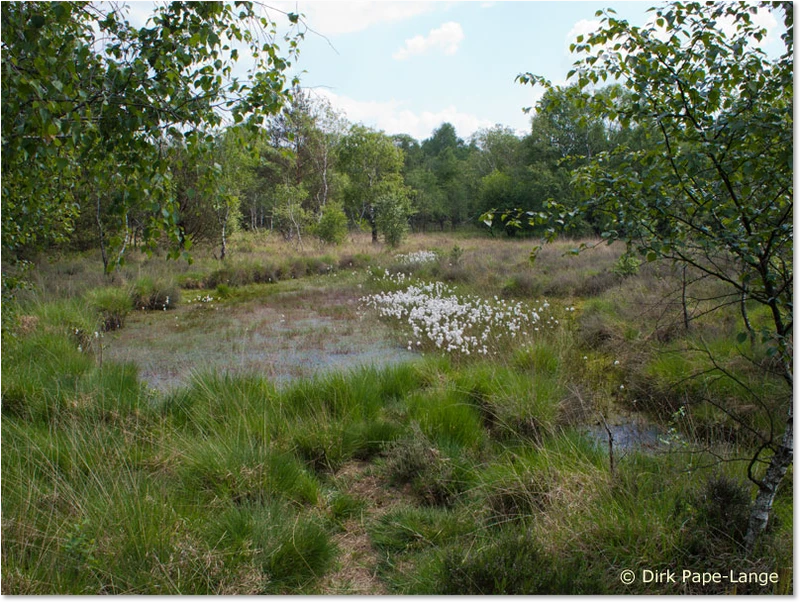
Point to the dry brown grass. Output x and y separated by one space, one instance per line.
358 562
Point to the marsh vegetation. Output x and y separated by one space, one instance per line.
214 446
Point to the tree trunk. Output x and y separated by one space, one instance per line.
374 224
683 300
103 251
325 177
125 241
224 246
768 487
746 318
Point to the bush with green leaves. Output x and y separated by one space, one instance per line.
332 225
627 265
288 215
391 218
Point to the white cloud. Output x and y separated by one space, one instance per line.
446 38
584 27
336 17
762 18
766 19
392 118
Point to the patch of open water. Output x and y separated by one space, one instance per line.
262 337
628 432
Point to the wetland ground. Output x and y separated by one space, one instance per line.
267 437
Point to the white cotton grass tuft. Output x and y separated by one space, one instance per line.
461 324
416 257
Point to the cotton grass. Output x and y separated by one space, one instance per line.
439 318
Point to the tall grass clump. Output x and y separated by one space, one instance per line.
112 305
412 528
326 443
42 376
215 401
355 394
148 293
444 416
239 469
284 549
438 473
513 405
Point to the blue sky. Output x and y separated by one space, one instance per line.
409 66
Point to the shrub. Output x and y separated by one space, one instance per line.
391 218
112 305
627 265
719 513
455 255
332 225
410 457
435 478
288 215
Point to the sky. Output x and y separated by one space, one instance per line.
409 66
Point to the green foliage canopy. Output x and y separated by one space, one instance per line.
374 166
84 91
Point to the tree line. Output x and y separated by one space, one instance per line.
117 137
306 171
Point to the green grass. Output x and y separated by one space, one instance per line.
411 528
438 476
